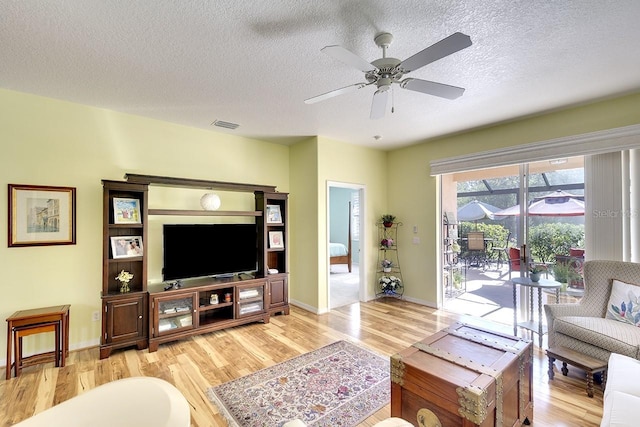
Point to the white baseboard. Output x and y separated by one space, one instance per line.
429 304
307 307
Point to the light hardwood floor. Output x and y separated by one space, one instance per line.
195 364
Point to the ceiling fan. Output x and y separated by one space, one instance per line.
385 71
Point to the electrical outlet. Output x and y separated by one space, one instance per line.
95 316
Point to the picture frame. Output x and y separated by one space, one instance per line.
126 211
41 215
126 247
276 240
274 216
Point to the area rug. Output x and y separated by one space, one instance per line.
337 385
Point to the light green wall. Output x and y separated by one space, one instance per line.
351 164
49 142
413 193
303 224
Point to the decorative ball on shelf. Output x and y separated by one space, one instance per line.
210 202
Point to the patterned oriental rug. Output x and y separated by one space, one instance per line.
337 385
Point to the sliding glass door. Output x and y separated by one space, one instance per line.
536 207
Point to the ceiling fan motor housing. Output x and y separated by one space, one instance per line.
386 68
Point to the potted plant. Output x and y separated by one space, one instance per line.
390 284
535 270
386 265
386 243
387 220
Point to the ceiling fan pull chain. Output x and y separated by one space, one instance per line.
393 101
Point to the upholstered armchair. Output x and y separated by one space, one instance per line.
588 327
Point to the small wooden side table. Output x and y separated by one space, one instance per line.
40 320
582 361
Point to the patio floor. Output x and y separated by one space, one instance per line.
488 294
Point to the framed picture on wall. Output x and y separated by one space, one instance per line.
126 246
41 215
274 216
276 240
126 211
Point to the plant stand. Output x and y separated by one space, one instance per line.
388 250
454 278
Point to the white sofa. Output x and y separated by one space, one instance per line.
622 392
129 402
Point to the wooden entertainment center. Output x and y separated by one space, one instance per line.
150 315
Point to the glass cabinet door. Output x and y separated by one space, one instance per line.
175 313
250 300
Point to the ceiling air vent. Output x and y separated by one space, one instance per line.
223 124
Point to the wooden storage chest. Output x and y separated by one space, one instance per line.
464 375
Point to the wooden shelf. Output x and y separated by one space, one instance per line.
114 226
196 183
127 259
249 300
185 212
215 306
175 314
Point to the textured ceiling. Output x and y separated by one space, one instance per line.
254 62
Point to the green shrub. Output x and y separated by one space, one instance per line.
548 240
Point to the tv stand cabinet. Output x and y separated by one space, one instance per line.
143 315
180 313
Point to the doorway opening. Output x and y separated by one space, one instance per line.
344 231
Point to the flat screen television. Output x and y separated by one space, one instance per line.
197 250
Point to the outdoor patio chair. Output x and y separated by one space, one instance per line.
476 250
501 251
514 261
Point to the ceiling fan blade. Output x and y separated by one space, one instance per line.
333 93
347 57
445 47
379 103
433 88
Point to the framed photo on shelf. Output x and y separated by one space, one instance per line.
276 240
126 211
41 215
274 216
126 246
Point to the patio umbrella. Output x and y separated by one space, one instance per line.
475 210
558 203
